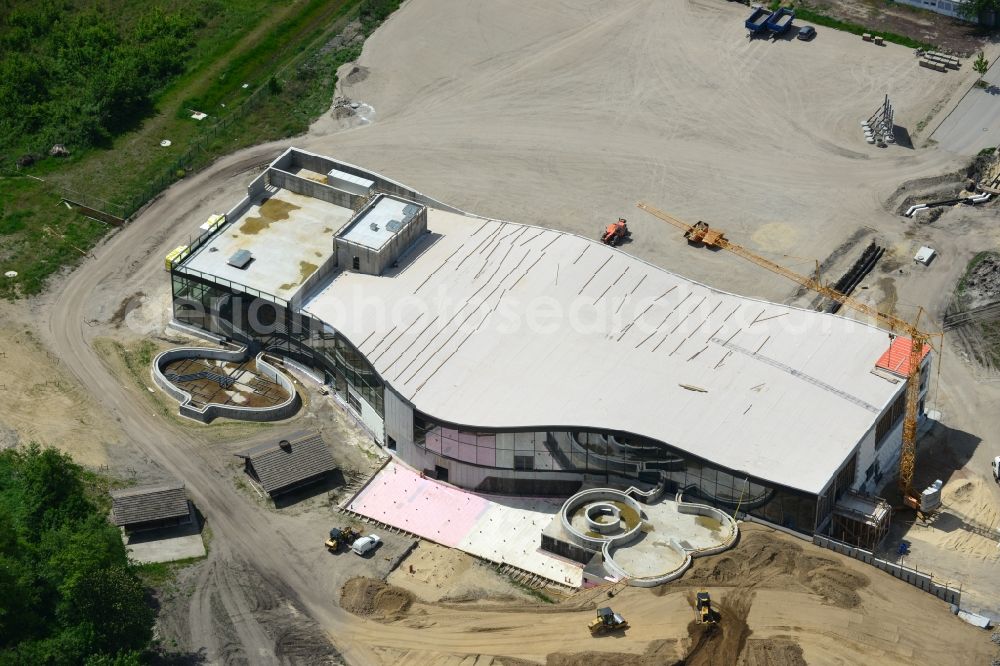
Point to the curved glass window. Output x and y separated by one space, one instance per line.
619 458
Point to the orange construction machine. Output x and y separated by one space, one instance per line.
616 233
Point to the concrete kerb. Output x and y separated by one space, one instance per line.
212 411
710 512
646 581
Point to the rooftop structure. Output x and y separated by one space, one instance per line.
274 245
280 467
149 507
625 346
379 234
896 359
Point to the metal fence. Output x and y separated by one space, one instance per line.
920 579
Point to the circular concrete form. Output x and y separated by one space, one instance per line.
648 544
209 383
603 517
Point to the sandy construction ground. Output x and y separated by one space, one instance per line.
773 589
564 115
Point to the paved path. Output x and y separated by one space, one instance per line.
975 122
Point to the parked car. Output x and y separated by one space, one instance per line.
806 33
996 469
366 544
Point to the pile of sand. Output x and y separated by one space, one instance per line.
368 597
762 561
969 522
436 573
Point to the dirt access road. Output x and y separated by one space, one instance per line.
557 115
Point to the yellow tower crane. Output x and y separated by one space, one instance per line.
700 233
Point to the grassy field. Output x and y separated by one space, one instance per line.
260 69
38 235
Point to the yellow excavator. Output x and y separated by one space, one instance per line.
919 341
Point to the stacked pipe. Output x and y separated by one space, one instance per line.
971 200
862 267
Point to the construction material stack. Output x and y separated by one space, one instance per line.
939 62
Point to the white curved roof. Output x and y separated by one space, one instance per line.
495 324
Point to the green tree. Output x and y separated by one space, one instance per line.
68 593
981 65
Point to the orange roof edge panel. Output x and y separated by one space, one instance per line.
896 359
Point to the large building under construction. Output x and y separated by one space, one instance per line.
509 358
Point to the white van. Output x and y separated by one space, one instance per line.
366 544
996 469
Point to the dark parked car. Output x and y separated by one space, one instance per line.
806 33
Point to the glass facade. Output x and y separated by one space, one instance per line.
619 457
267 323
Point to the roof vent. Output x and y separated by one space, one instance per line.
240 259
374 226
285 445
394 225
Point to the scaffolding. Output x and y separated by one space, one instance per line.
861 520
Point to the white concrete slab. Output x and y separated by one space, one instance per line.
164 545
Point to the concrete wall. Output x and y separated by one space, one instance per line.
295 157
398 419
609 545
257 186
887 455
311 188
924 581
369 261
210 412
370 417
